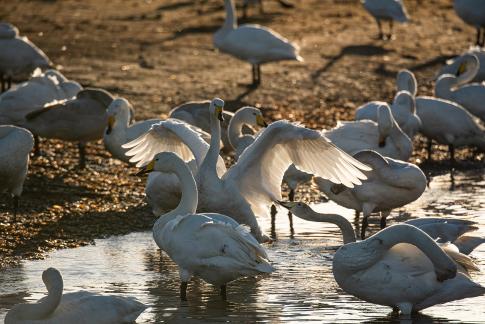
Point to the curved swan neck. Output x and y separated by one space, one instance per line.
344 225
210 161
41 309
234 129
231 19
443 87
189 199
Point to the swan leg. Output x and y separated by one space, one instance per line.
291 197
258 71
16 205
273 221
429 147
224 292
82 155
379 26
2 80
391 25
245 10
384 215
451 149
261 9
357 214
365 223
183 291
254 75
9 82
366 211
36 146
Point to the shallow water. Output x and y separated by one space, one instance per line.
302 288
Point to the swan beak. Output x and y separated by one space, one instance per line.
461 69
219 114
111 121
260 121
287 204
147 168
382 141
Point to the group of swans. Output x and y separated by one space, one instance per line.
401 266
19 57
80 307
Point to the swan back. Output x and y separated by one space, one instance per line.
387 9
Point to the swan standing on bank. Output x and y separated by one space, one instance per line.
390 10
457 88
211 246
391 184
19 57
253 43
400 266
472 12
80 307
249 186
384 136
15 146
81 119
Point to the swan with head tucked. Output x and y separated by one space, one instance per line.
390 10
390 184
80 307
19 57
384 136
80 119
15 146
453 65
403 110
41 89
457 88
253 43
211 246
400 266
472 12
250 185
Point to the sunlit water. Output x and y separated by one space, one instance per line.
302 288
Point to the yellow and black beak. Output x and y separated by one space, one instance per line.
147 168
287 204
260 121
111 122
219 114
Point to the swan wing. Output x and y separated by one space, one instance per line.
444 229
260 169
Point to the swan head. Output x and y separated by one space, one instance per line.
467 69
252 116
385 123
119 109
406 80
162 162
297 208
52 279
215 108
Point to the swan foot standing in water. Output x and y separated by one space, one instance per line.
211 246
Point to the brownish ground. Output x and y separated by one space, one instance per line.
100 43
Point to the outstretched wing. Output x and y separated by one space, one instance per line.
260 169
170 135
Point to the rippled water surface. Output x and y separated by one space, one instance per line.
302 288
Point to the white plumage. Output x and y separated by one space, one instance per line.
390 184
15 146
472 12
211 246
253 43
454 64
19 57
245 116
390 10
79 307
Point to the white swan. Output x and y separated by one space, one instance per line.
15 146
385 136
403 110
211 246
472 12
250 116
453 65
390 10
390 184
456 88
41 89
249 186
77 307
19 57
400 266
81 119
253 43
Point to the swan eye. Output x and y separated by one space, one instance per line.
254 114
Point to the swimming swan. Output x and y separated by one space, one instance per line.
250 185
390 184
80 307
211 246
15 146
253 43
400 266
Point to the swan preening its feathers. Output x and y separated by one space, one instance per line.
79 307
400 266
248 187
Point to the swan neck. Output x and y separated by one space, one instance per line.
210 161
189 199
443 87
343 224
234 129
231 20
